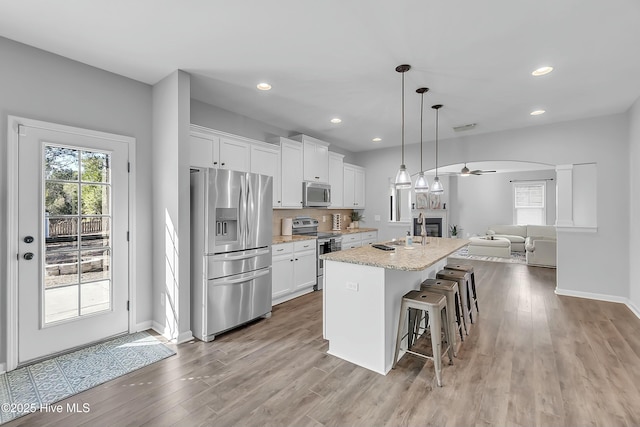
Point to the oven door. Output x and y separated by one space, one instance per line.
325 246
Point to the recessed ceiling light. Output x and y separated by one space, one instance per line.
263 86
542 71
537 112
377 139
336 120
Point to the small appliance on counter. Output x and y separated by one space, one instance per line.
326 242
286 226
231 234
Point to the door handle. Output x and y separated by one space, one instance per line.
28 256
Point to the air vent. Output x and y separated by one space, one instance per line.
464 127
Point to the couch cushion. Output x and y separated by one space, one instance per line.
509 230
541 231
512 239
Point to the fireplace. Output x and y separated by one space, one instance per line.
433 227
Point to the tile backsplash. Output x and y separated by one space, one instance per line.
318 214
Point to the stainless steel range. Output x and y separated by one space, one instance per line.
330 241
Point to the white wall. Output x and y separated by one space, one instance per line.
476 202
585 260
634 225
171 207
43 86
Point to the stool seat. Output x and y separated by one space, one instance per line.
450 289
469 269
463 279
437 319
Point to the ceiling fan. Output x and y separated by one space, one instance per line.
466 172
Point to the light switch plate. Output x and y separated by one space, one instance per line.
352 286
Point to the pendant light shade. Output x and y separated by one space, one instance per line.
403 178
436 185
421 185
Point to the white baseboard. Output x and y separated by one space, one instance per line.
600 297
3 368
182 337
143 326
634 308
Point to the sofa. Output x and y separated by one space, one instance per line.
537 241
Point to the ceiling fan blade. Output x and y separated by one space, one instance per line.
480 172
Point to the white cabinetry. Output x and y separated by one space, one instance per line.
214 149
355 240
204 150
336 179
293 270
291 166
235 155
354 186
265 160
316 158
351 240
281 270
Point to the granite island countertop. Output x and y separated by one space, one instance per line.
416 259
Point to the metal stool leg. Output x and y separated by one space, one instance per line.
403 315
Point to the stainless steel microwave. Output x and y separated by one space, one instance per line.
316 194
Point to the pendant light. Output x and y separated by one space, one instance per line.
436 186
403 179
421 185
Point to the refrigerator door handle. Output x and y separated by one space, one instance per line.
244 255
248 211
243 278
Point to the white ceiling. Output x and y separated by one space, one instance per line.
337 58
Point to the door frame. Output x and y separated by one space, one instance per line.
13 126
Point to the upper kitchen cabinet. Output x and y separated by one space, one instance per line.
336 179
265 160
354 186
291 170
316 158
214 149
235 155
204 150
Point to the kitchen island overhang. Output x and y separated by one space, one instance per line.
363 288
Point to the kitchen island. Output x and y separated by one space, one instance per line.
363 288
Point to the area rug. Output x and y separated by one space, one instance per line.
516 257
34 387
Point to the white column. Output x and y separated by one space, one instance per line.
564 196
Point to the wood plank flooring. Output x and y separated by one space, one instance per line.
532 358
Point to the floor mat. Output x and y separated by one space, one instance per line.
34 387
516 257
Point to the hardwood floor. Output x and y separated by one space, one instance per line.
533 358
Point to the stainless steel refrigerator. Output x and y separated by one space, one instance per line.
231 222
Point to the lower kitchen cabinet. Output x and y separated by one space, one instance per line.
293 270
355 240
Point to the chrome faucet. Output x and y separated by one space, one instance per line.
423 229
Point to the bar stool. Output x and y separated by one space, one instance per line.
435 305
449 289
469 269
464 279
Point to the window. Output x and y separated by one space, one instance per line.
529 203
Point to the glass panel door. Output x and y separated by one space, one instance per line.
77 233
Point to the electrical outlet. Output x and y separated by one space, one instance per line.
162 296
376 218
352 286
324 218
